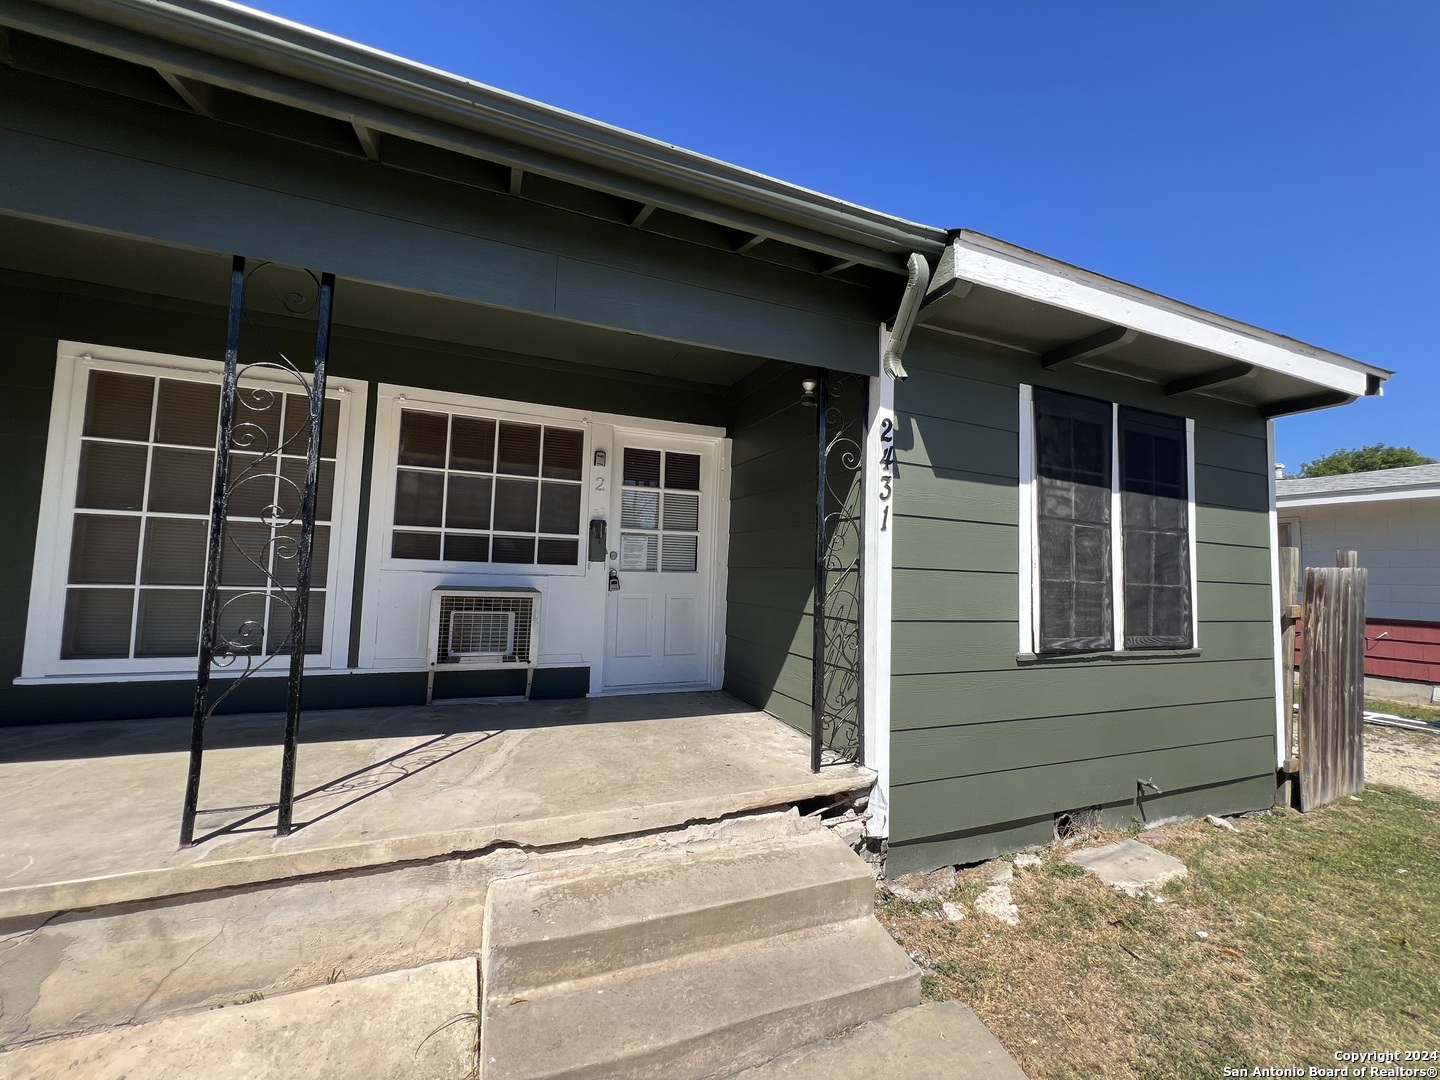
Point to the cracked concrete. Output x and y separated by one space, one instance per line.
92 810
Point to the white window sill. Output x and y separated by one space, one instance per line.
1027 658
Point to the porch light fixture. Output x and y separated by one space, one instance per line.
807 387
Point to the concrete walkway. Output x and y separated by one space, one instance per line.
92 810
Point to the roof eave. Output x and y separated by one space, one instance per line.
237 34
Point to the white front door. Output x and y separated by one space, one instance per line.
658 621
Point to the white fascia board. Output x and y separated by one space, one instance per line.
1382 495
1022 273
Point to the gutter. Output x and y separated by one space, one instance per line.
198 31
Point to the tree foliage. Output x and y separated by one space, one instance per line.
1365 459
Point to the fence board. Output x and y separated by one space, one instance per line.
1332 685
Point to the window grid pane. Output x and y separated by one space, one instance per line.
469 489
660 527
1154 516
147 466
1073 467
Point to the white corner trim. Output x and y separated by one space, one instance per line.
877 577
1282 667
1027 564
1025 274
1193 540
1117 538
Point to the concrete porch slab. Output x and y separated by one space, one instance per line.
93 809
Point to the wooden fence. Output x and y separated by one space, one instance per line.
1328 737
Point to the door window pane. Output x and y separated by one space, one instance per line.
642 467
466 547
513 549
558 552
682 471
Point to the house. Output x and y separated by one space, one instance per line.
1391 517
638 386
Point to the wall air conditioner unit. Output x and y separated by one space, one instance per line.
482 628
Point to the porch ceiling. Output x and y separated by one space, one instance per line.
153 269
94 808
1064 316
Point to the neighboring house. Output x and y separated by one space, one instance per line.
1068 552
1391 517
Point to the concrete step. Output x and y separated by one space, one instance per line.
940 1041
579 922
417 1024
704 1014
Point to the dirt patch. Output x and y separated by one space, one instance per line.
1407 759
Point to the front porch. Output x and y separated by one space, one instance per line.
93 809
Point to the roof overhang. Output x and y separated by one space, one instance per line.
201 46
1359 496
992 291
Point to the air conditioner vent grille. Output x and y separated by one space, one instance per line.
485 630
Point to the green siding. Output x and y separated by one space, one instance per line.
772 545
988 745
137 169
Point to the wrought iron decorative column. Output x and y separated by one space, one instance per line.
243 412
837 686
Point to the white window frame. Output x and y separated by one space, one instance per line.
45 621
390 401
1029 542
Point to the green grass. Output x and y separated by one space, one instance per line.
1401 708
1322 933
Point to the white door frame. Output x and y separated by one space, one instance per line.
714 507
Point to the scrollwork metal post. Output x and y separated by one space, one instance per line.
220 646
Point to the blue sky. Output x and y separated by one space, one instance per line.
1277 162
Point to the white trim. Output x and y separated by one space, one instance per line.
44 624
1360 496
877 576
1028 534
1117 538
601 430
1002 266
1028 554
1192 542
1281 668
715 504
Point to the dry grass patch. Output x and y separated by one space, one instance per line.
1321 933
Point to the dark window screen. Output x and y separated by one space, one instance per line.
1154 518
1073 466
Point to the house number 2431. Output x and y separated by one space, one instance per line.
887 470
